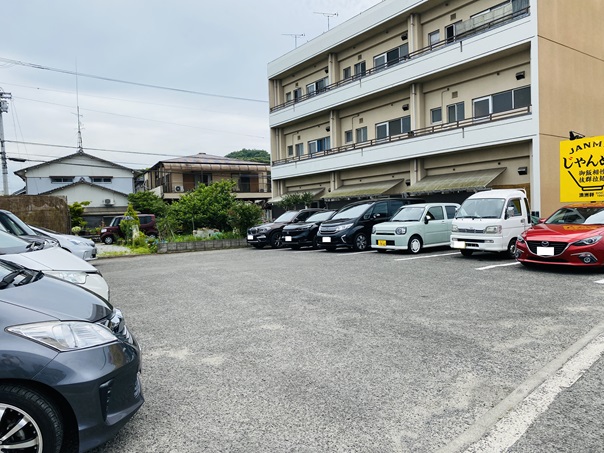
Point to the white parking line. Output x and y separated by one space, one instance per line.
601 282
496 265
424 256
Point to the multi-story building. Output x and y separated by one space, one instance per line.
438 99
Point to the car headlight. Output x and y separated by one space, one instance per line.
76 242
588 241
454 228
520 239
493 229
65 336
343 227
70 276
263 229
103 230
401 230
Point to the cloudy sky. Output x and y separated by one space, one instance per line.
155 80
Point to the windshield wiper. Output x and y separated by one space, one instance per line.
31 276
9 278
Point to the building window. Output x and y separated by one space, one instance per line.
297 94
455 112
522 97
203 178
321 144
348 136
316 87
299 149
502 102
288 96
101 179
393 127
436 115
61 179
360 69
391 57
361 134
434 37
290 150
450 33
347 73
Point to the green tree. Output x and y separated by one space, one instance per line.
76 210
295 200
130 223
206 206
252 155
244 215
148 203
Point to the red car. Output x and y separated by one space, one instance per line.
571 236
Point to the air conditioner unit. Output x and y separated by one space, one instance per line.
108 201
178 188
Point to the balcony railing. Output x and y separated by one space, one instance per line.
482 28
411 134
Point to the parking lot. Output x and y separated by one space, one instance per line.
249 350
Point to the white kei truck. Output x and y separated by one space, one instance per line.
490 221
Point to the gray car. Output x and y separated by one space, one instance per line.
69 367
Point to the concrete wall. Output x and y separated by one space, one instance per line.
40 210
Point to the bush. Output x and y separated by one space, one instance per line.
243 216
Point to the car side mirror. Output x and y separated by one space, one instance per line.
426 220
509 212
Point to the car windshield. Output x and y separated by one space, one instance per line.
286 216
481 208
352 212
320 216
409 214
12 224
587 215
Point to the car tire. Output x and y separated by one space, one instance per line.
415 244
42 419
275 240
152 236
108 240
466 252
360 242
258 246
511 250
315 243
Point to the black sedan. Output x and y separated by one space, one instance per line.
69 368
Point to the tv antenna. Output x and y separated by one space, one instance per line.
328 15
295 36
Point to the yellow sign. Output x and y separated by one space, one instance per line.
582 170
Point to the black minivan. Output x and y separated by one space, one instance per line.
351 226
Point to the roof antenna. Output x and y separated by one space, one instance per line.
80 146
328 15
295 36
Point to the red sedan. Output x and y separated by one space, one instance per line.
571 236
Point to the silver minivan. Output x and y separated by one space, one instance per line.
415 227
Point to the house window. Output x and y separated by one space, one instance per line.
455 112
359 69
203 178
361 133
61 179
436 115
348 136
290 150
393 127
299 149
101 179
347 73
434 37
321 144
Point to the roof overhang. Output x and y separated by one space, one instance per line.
314 192
208 167
469 181
369 189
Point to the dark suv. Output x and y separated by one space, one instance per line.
110 233
296 235
351 226
270 233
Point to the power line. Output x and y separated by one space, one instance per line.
127 82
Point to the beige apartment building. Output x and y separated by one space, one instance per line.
438 99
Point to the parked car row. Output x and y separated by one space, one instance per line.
69 367
496 221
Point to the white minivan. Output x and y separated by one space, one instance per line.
414 227
490 221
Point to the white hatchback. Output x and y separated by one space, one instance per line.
415 227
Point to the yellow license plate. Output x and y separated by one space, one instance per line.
382 242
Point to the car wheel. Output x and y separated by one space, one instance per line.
108 240
29 422
152 236
275 240
315 243
466 252
415 244
360 242
511 250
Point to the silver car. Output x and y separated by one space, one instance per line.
79 246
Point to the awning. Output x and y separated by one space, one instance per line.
314 193
362 190
455 182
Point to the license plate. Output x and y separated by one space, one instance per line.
325 239
250 237
459 245
545 251
381 242
288 238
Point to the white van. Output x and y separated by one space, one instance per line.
491 221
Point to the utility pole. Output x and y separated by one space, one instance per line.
4 98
